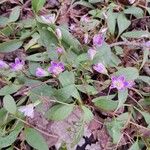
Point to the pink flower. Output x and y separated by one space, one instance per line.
91 53
85 19
41 72
3 65
58 33
59 50
98 40
49 19
56 67
86 37
72 27
27 110
120 83
18 65
100 68
147 44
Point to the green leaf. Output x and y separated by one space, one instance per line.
3 114
10 45
7 31
115 61
122 97
35 139
96 13
118 50
66 78
3 21
146 116
105 104
136 11
148 10
9 104
78 134
81 58
114 130
47 38
9 89
88 115
32 42
123 23
135 146
70 90
145 56
69 39
7 140
59 112
43 89
145 79
14 15
111 21
38 57
136 34
37 4
103 55
115 127
88 89
130 73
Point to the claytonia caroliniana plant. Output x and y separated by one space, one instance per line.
120 83
77 66
17 65
3 65
41 72
100 68
56 67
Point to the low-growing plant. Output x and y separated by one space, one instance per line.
98 73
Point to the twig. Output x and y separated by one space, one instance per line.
139 126
31 87
41 131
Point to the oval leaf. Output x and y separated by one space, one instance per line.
136 34
9 139
135 146
122 96
105 104
14 15
10 46
123 23
9 89
130 73
37 4
88 115
59 112
9 104
35 139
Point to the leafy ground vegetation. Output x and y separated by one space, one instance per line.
74 75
